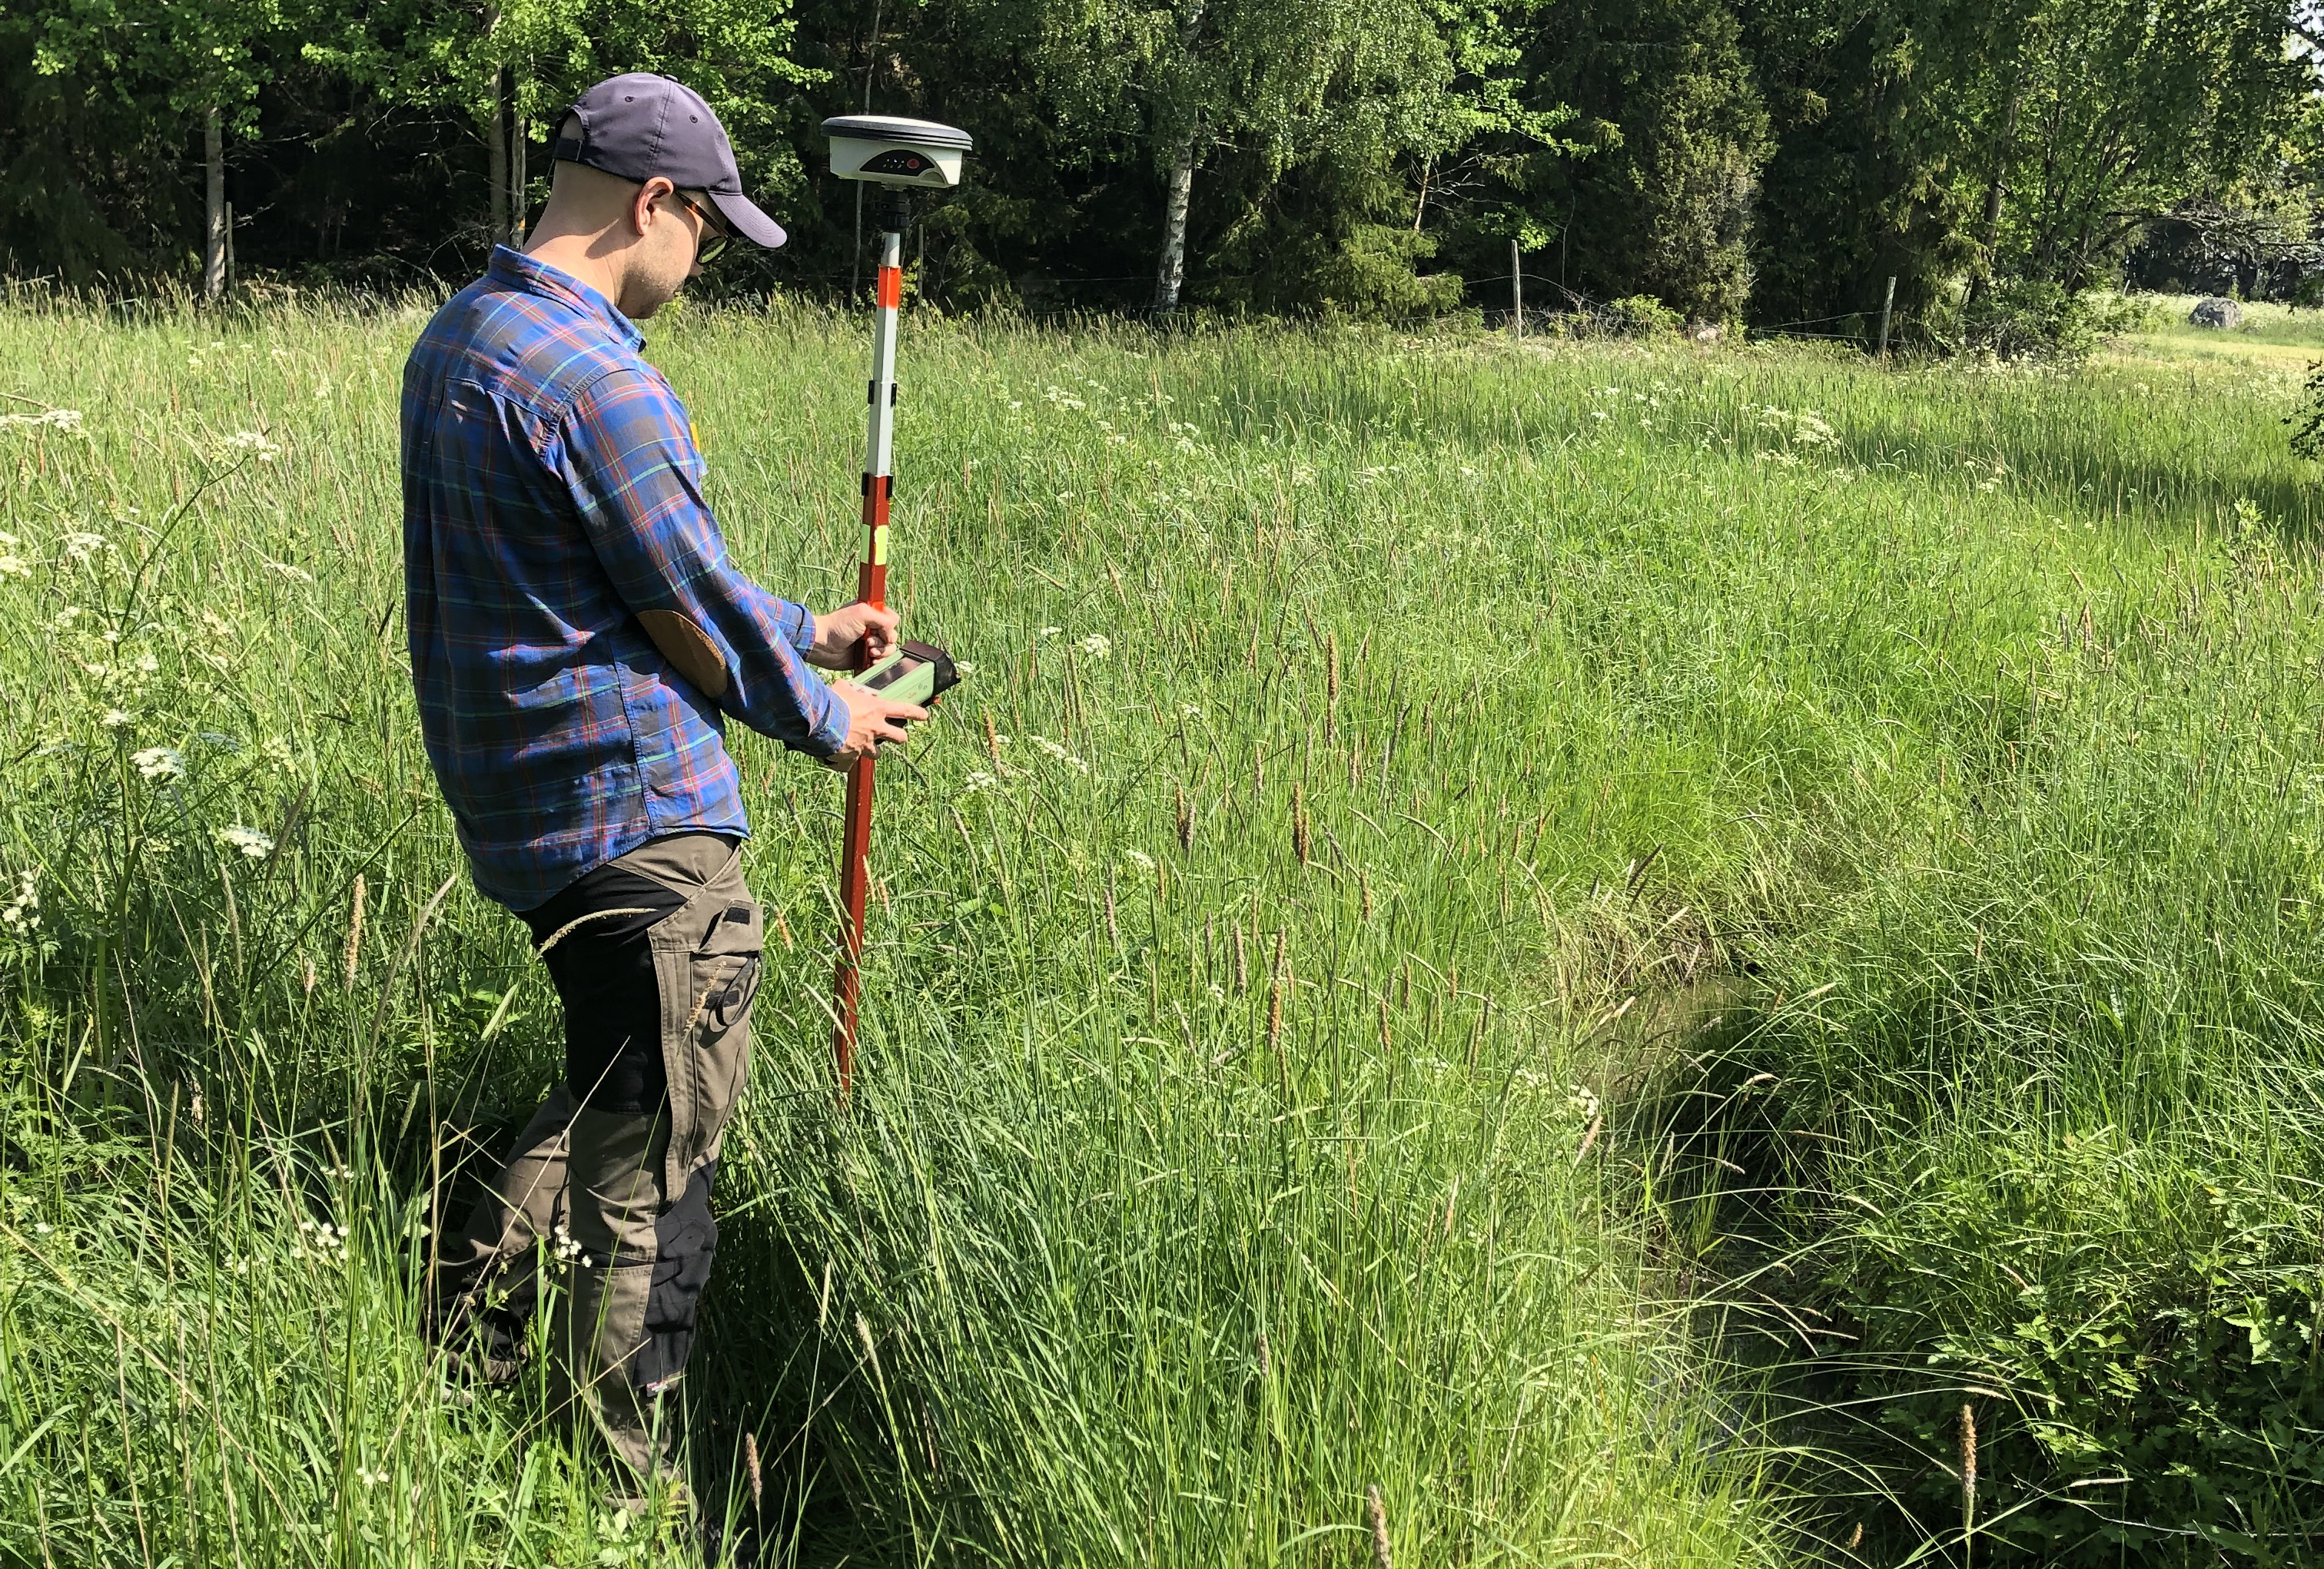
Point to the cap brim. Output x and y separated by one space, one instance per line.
740 212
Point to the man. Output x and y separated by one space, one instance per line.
578 636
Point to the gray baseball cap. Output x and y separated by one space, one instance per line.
638 125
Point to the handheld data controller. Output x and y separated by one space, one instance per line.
913 672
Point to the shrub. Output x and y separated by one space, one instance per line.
1644 315
2028 319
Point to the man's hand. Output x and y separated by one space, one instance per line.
838 632
871 720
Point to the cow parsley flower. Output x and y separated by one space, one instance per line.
249 841
68 420
1097 645
253 442
159 763
114 718
22 913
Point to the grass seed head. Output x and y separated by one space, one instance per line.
751 1468
1375 1516
1299 840
355 932
1968 1461
1186 822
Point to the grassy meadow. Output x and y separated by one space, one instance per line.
1611 946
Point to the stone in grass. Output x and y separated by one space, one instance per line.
2218 313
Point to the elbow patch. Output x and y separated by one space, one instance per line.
688 650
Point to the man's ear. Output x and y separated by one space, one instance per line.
641 205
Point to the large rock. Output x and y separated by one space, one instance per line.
2215 312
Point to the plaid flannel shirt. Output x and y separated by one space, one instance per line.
552 492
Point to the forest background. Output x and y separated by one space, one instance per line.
1763 162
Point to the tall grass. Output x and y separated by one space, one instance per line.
1382 758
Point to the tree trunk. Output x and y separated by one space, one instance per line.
1172 272
1179 194
517 214
496 149
214 227
1990 234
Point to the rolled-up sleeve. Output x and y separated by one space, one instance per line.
635 475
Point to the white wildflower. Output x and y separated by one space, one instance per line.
68 420
1058 754
1051 631
114 718
22 913
296 573
13 564
1139 859
978 780
82 546
159 763
1097 645
249 841
253 442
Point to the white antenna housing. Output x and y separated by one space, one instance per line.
891 150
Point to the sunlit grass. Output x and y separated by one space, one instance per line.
1253 1108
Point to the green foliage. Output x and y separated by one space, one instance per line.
2026 319
1656 198
2307 420
1644 315
1774 161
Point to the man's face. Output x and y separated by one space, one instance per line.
671 234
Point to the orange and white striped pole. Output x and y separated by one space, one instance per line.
872 588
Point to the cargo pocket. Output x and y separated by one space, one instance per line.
685 1240
725 973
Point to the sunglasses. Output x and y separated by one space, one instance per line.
714 237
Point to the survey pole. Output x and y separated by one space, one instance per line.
872 588
899 154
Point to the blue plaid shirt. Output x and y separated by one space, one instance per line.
552 492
